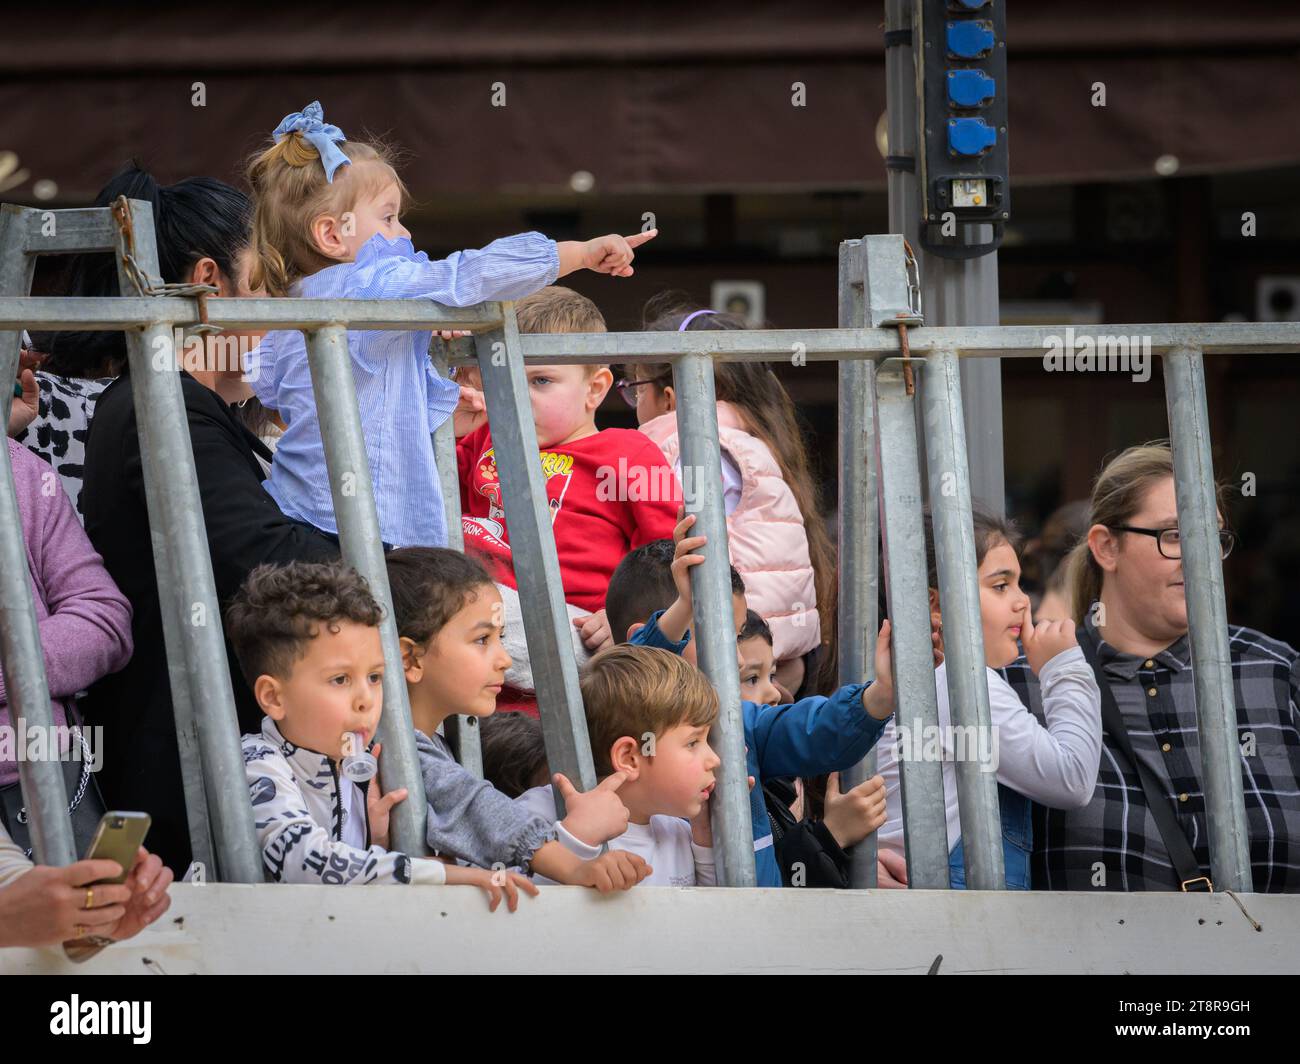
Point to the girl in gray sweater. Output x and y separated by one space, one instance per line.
449 618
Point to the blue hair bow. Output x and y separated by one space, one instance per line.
310 122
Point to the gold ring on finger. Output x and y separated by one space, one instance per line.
90 898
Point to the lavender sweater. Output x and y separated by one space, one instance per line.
84 620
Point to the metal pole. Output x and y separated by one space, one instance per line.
954 292
17 268
26 688
532 542
170 591
1216 712
916 701
460 731
858 530
23 660
185 578
715 625
968 690
178 677
362 547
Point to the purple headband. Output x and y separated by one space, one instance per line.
691 317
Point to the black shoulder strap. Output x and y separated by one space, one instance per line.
1175 839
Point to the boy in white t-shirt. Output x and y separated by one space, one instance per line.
648 716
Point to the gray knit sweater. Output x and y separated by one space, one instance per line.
470 819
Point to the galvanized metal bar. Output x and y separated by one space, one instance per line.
61 232
16 271
167 466
95 227
107 312
26 689
916 713
460 731
858 530
714 622
188 747
21 656
1005 341
968 690
1216 711
348 464
532 541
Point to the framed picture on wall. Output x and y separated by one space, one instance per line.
745 298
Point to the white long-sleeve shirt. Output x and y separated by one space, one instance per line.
1054 765
664 844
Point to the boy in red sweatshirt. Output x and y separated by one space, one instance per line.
609 491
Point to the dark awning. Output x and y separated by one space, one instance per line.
671 98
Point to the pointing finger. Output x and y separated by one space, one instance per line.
637 239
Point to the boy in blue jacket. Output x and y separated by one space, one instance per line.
649 603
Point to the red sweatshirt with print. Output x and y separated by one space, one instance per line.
608 494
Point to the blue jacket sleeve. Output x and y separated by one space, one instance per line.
811 736
652 636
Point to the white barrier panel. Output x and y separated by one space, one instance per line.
231 929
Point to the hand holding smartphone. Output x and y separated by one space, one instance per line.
118 838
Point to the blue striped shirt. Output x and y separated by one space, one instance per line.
401 396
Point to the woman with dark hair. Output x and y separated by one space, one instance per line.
203 229
201 225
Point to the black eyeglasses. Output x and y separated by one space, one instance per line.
627 388
1169 543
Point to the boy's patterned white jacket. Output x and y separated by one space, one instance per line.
301 808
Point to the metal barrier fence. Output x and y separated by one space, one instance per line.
879 475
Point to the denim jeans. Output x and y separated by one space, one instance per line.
1017 842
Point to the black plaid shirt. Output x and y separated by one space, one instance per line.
1156 700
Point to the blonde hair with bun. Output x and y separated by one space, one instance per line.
290 192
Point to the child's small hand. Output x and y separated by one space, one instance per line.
878 699
379 805
891 870
596 816
850 817
613 254
470 412
612 870
26 404
1044 640
596 635
496 883
702 827
684 556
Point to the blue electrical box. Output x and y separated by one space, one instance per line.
970 88
962 162
969 137
970 39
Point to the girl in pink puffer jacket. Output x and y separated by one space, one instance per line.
777 536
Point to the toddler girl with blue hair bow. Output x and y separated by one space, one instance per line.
327 226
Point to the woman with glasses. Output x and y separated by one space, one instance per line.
1146 826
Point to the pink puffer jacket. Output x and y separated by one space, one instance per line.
765 531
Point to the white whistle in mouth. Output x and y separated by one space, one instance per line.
359 764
